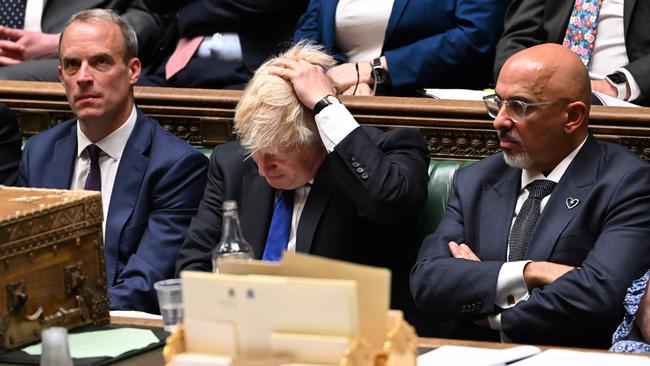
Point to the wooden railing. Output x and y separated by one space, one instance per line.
453 129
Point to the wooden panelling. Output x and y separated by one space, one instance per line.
453 129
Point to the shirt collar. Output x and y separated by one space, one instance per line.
113 144
527 176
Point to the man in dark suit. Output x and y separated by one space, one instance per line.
560 279
10 144
238 35
30 54
357 192
622 41
151 182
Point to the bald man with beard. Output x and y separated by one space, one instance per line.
539 242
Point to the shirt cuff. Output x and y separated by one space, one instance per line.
495 324
511 286
635 91
334 123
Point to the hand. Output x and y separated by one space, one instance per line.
345 75
642 316
540 274
462 251
362 89
309 81
24 45
604 87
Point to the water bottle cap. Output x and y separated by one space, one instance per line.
230 205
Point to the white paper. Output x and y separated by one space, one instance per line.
458 94
558 357
473 356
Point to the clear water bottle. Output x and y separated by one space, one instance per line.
232 245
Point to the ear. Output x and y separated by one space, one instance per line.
577 116
135 67
60 71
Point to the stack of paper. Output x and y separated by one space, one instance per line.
473 356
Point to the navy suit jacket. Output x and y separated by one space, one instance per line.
10 144
605 234
428 43
157 190
532 22
369 220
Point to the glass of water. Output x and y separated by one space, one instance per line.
170 300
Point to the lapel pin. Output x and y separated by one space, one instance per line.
572 202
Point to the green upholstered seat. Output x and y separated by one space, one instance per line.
441 176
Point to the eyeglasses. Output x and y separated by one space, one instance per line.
516 108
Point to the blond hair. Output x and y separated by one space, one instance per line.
269 116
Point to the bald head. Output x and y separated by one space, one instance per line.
554 71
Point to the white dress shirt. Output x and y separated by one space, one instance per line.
511 287
361 27
610 54
33 15
109 160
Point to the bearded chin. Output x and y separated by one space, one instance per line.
521 160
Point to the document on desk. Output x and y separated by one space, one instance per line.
558 357
474 356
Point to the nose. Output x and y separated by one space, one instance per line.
502 121
265 164
84 77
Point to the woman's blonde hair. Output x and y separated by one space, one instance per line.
269 116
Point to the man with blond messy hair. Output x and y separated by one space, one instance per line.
353 193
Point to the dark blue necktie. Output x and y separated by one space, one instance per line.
278 238
94 178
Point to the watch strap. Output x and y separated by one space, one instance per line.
321 104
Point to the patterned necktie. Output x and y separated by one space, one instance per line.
278 238
581 31
12 13
94 178
527 218
182 54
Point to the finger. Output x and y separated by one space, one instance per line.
281 72
286 63
11 46
454 249
467 251
364 89
349 91
13 32
4 61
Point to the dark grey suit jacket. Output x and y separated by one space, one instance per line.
532 22
606 235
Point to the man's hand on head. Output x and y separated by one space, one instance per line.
309 81
540 274
462 251
17 45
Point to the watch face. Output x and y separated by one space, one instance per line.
617 78
380 74
331 99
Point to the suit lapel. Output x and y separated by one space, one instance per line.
127 186
328 9
576 183
628 7
497 207
65 150
256 210
325 183
563 13
395 14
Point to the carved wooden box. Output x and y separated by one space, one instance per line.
51 262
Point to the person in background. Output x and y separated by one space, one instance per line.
539 243
611 37
10 144
343 191
398 47
633 333
29 33
217 43
150 181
